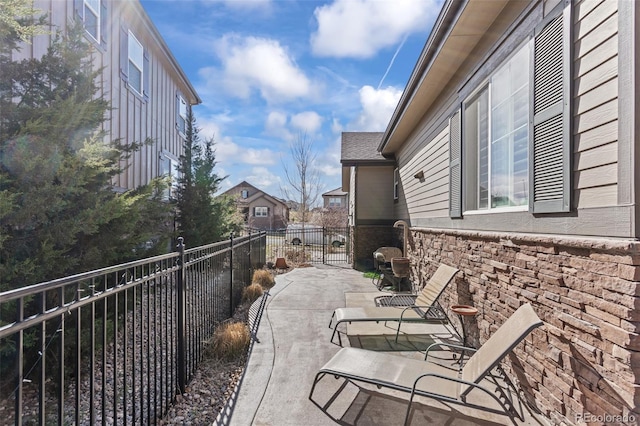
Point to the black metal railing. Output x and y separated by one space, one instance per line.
115 345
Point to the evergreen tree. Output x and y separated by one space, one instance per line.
202 218
58 212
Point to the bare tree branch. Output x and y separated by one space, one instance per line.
303 184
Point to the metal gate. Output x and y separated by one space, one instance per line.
310 244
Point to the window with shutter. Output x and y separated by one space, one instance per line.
550 159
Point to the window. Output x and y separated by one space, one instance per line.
496 137
91 17
136 63
512 147
244 193
169 168
261 212
395 183
182 114
335 202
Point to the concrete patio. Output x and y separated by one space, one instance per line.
294 343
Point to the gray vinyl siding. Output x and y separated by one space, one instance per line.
374 193
596 104
595 148
429 197
132 119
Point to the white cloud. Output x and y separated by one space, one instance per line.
360 28
308 121
264 179
228 152
377 108
276 125
253 63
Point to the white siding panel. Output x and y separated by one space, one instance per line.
606 154
597 116
597 56
596 97
595 104
591 21
597 136
596 197
598 176
599 75
596 37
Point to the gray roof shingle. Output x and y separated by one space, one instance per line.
360 147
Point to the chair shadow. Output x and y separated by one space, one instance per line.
369 407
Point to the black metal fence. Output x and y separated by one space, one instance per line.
311 244
115 345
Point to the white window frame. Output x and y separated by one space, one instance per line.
172 173
244 194
136 53
396 187
87 4
261 211
182 115
474 208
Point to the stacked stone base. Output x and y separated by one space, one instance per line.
583 366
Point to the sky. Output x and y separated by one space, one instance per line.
270 72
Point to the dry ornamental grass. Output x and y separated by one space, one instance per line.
264 278
252 293
230 340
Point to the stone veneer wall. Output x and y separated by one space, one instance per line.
365 239
583 365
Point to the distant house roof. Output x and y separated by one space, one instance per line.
259 193
359 148
338 192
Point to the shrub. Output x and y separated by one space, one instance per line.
229 341
251 293
263 278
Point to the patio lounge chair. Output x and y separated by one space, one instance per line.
424 309
435 381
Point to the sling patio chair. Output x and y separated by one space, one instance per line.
433 380
424 309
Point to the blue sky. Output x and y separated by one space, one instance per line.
268 71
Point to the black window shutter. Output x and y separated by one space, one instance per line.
104 22
124 53
268 211
550 156
455 166
145 75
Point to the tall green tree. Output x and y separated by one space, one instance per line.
202 218
58 212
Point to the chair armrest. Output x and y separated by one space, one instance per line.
466 348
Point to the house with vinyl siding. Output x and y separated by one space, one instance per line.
259 209
514 151
148 91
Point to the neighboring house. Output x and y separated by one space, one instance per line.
515 145
148 91
366 176
336 199
259 209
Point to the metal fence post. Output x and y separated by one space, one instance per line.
231 275
180 283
